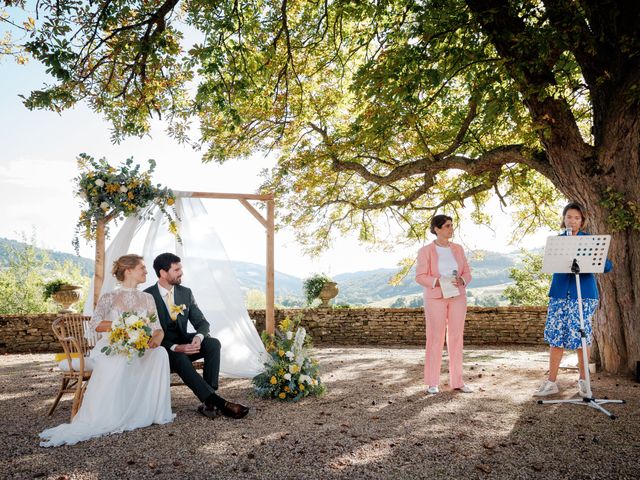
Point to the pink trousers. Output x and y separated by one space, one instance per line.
444 314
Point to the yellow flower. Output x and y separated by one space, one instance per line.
112 187
294 368
282 395
170 201
301 387
287 389
281 353
281 372
273 380
177 310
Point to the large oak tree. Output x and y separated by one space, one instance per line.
384 111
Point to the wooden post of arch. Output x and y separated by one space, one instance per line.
98 269
268 223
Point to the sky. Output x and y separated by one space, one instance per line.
38 151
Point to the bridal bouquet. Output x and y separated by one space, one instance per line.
290 373
130 335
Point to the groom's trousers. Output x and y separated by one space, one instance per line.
182 364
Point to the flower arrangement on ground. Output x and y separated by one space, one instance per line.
130 335
290 373
114 193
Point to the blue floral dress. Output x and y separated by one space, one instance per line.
563 322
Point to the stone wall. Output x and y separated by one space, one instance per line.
28 333
339 326
406 326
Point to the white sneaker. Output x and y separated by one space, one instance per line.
582 388
547 388
433 390
465 389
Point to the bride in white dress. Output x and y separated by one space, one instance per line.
122 394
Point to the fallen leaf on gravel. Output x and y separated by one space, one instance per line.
484 467
489 445
152 465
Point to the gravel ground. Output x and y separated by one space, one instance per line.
375 422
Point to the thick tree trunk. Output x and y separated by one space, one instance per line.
617 324
617 165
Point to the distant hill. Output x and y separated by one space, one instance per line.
85 264
490 269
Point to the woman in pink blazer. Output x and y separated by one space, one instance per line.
443 261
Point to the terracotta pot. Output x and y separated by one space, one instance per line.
66 296
329 291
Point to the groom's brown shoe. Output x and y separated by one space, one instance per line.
209 412
234 410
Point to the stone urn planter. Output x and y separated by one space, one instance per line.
328 292
65 296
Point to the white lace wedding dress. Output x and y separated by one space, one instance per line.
122 394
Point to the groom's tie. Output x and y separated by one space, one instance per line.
173 315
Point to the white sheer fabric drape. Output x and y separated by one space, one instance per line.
207 272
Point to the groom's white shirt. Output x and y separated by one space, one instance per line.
164 293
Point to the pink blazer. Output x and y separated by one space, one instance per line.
427 269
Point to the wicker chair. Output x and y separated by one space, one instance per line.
74 369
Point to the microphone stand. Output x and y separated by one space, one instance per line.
588 400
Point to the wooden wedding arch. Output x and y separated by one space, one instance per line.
243 198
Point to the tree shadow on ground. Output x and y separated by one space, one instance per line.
374 422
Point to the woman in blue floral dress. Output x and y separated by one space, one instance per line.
562 329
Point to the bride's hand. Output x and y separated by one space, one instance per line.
156 339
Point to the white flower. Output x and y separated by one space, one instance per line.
289 355
130 320
287 376
134 336
99 183
305 378
289 335
293 368
104 206
123 189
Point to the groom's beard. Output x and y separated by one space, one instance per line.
175 281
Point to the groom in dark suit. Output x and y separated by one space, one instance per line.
176 306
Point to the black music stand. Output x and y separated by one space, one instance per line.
579 254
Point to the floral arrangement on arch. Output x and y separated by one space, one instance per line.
109 193
290 373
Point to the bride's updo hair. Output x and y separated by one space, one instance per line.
125 262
